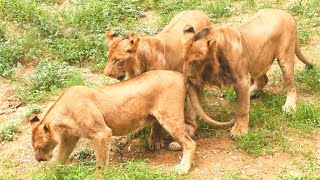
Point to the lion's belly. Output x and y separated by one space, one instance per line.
259 69
125 126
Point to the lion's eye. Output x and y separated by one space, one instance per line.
119 62
195 63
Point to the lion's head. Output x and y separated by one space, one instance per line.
121 54
43 140
204 62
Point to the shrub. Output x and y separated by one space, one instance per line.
26 13
8 131
49 77
10 54
98 16
79 49
2 32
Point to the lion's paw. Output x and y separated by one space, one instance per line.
182 169
289 106
156 144
238 131
175 146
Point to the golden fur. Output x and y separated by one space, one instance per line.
117 109
135 54
238 57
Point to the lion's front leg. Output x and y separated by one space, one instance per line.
66 146
101 144
240 127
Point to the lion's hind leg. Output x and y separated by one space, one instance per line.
258 84
156 136
286 62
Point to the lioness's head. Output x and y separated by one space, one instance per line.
43 141
197 52
121 54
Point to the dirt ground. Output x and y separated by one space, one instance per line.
215 158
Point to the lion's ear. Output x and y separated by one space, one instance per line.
111 34
46 128
134 41
188 29
34 120
211 43
188 33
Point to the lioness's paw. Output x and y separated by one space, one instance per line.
238 131
289 107
153 145
175 146
182 169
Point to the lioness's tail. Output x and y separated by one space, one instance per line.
197 107
301 56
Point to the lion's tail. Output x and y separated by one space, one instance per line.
301 56
197 107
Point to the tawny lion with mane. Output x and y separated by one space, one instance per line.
238 57
117 109
135 54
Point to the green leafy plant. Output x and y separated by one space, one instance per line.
9 130
49 77
127 170
10 55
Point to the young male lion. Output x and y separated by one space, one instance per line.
117 109
226 56
136 54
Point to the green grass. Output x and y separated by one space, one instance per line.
128 170
60 40
308 80
50 77
9 130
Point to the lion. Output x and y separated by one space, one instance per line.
117 109
135 54
240 57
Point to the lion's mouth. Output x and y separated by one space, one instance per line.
121 76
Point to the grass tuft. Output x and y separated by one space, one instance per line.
8 131
49 77
128 170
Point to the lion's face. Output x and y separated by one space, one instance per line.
42 140
195 55
121 55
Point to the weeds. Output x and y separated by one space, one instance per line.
99 16
308 80
27 14
10 55
8 131
217 9
49 77
128 170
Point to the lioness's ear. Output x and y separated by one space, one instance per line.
188 29
188 33
46 128
33 120
134 41
211 43
111 34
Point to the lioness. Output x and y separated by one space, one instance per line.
117 109
136 54
234 57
